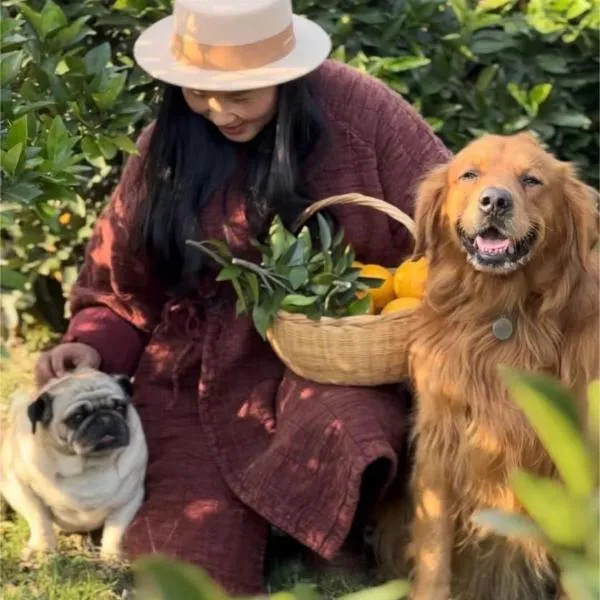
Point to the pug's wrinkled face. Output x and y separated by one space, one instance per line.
85 413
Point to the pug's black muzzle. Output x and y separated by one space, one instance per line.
102 430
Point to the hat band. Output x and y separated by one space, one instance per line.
233 58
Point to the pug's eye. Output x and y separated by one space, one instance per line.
121 409
469 175
76 418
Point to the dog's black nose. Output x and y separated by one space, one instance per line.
495 201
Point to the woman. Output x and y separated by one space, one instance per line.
247 128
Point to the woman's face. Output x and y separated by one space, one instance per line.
240 116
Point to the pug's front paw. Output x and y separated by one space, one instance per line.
36 552
110 553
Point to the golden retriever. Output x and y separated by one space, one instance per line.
509 233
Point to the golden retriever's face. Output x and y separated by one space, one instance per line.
502 198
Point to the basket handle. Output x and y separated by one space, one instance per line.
356 200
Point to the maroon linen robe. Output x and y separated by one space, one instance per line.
236 442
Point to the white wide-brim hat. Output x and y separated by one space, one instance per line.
231 45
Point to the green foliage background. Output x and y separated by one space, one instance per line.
73 102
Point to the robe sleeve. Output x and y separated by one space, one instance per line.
115 302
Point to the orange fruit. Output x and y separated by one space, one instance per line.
409 279
385 292
65 218
399 304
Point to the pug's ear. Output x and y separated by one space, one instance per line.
40 411
125 382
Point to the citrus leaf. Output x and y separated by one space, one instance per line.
305 238
107 97
229 273
108 149
391 590
12 280
549 408
298 277
58 141
74 33
406 63
10 159
371 282
539 93
280 239
295 254
360 306
563 518
122 142
490 42
324 232
553 63
17 133
324 279
52 18
252 280
304 591
162 578
338 238
509 524
239 307
579 577
97 58
10 65
34 18
569 119
20 192
486 77
294 301
485 5
91 151
262 320
240 294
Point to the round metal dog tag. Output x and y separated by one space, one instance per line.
502 328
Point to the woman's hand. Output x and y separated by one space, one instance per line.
63 358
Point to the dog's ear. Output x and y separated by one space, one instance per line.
428 210
125 382
40 410
582 202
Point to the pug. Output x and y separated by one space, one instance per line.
75 456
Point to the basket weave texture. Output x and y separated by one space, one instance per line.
365 350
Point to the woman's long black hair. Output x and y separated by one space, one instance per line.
189 161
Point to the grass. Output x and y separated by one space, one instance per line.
75 573
71 574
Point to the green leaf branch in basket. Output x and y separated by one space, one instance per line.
295 273
324 232
296 302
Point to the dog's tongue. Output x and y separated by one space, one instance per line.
492 244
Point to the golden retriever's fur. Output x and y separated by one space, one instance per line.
468 433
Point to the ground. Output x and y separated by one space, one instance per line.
76 574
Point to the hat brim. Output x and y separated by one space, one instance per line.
152 53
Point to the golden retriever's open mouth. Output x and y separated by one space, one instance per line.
492 250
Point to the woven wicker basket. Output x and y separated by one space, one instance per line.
366 350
